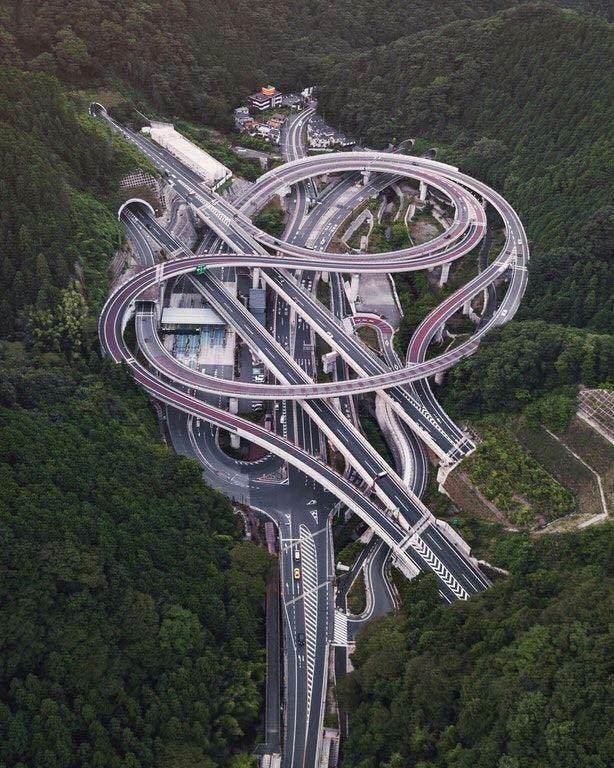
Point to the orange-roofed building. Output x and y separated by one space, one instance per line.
266 98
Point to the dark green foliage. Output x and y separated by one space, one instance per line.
271 220
197 58
521 100
58 170
515 678
574 284
519 362
129 610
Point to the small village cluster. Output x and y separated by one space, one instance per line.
267 110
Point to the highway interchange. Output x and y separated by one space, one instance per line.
386 499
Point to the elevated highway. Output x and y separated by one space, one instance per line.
384 501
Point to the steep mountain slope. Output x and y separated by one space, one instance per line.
522 101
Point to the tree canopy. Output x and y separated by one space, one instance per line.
130 608
516 678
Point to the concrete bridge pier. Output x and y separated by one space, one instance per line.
283 194
445 274
366 177
470 312
256 277
423 190
354 287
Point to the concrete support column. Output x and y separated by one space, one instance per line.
329 361
284 192
235 441
233 405
354 287
467 307
439 378
423 190
366 177
256 277
407 568
445 273
439 334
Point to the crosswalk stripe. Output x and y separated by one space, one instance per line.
340 629
310 604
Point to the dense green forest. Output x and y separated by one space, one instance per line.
199 57
522 101
58 195
524 360
130 611
516 679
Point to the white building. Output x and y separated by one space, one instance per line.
267 97
201 162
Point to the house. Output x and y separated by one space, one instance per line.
322 136
267 97
241 117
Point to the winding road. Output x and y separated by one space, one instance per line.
382 498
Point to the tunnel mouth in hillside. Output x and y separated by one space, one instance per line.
136 204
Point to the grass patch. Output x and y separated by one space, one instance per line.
370 427
564 467
369 336
323 293
350 553
357 595
514 481
271 218
596 451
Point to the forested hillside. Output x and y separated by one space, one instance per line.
199 57
516 679
522 101
130 610
60 172
518 363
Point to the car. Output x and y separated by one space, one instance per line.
300 639
312 502
297 573
297 554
